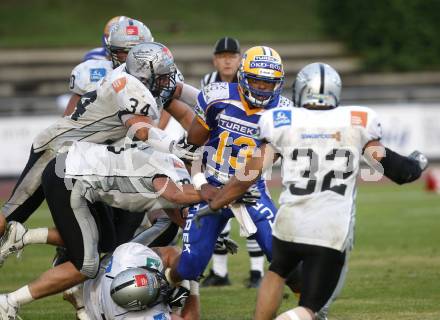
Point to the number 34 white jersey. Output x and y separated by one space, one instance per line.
321 152
97 117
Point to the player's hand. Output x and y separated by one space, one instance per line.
250 198
177 297
226 244
186 151
420 158
208 192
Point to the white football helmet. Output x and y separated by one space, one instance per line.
317 85
153 64
136 289
124 35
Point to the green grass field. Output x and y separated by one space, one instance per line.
394 269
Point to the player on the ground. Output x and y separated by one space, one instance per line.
134 178
131 98
321 146
128 287
226 123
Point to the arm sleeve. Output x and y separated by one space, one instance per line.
400 169
372 130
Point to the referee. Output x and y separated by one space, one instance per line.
226 60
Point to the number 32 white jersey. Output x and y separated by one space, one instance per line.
321 152
97 117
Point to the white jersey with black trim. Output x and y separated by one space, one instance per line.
97 117
98 302
122 177
86 75
321 151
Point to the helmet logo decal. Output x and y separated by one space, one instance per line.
141 280
265 65
132 30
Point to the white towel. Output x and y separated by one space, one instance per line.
247 225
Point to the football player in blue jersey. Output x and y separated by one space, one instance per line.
226 124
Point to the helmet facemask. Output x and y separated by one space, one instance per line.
163 85
257 97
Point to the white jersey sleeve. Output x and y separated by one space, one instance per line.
132 97
86 75
270 121
369 123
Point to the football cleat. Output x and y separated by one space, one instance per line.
254 279
12 240
213 280
8 310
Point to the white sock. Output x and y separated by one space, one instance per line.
298 313
257 264
34 236
220 264
21 296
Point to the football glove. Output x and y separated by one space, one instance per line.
186 151
420 158
226 244
250 198
177 297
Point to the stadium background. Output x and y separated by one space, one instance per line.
388 56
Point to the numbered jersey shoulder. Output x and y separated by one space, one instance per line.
285 102
132 96
215 91
85 76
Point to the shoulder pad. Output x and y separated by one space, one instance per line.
215 91
85 75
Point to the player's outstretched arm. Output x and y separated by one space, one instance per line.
240 183
167 189
181 112
400 169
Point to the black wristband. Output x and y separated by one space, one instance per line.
400 169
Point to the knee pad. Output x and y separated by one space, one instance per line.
90 267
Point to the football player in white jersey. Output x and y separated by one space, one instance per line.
131 98
129 287
321 145
134 178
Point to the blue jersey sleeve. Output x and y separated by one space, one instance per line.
209 103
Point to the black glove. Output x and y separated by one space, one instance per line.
226 244
250 198
177 297
420 158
